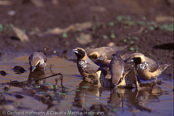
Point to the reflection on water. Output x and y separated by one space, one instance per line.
134 99
34 76
30 92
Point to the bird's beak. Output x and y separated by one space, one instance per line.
75 50
33 68
129 60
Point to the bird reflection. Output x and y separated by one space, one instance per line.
135 100
34 76
84 89
123 97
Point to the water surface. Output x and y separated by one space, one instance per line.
77 97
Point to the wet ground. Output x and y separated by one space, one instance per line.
58 26
76 97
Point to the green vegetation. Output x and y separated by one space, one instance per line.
64 35
136 49
119 18
94 28
169 27
144 18
48 83
131 49
131 41
37 86
62 93
124 40
105 37
86 87
1 27
7 28
151 25
111 23
113 35
151 28
114 110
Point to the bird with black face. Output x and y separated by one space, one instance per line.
103 55
146 67
86 67
102 76
37 61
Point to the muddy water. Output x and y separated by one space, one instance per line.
77 97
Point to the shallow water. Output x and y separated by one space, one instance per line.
77 97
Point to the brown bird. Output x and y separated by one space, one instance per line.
147 68
34 76
86 67
123 74
104 54
120 74
101 76
37 61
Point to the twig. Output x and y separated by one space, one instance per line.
61 78
51 69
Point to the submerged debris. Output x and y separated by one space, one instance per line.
47 99
6 89
19 69
2 99
99 108
3 73
19 96
15 83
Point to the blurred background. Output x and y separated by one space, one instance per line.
58 26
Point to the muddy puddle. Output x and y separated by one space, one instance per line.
75 97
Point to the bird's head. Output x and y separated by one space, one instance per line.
137 58
36 63
80 53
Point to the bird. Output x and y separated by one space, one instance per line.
122 73
87 68
98 75
119 74
37 61
34 76
147 68
103 55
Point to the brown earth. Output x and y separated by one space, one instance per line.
147 26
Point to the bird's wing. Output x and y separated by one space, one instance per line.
109 54
123 54
153 67
91 68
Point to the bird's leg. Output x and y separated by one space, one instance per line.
135 77
155 80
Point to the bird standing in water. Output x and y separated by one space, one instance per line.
122 73
86 67
102 76
37 61
147 68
